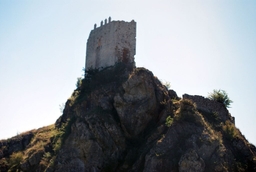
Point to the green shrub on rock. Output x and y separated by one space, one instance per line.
168 121
220 96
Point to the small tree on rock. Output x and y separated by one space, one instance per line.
220 96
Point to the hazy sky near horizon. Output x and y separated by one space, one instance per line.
196 45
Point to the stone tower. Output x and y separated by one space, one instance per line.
112 42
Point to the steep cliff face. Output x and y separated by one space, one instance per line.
123 119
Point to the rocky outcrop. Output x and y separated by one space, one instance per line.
191 162
124 119
206 105
139 103
15 144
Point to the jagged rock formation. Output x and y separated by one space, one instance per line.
123 119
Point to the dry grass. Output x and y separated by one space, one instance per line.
40 140
44 136
161 139
230 131
187 112
187 104
15 159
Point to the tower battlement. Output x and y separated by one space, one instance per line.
110 43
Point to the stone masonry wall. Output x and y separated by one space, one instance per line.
110 43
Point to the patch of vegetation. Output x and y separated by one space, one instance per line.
241 167
187 104
79 82
47 156
220 96
95 78
106 75
62 134
62 107
168 121
45 161
4 163
73 97
166 84
161 139
187 112
41 138
164 102
51 163
230 131
212 118
50 137
174 100
15 160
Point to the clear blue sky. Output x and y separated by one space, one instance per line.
196 45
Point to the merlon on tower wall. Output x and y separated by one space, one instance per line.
110 43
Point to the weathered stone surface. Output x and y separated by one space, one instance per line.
35 158
139 104
207 105
191 162
111 43
15 144
92 145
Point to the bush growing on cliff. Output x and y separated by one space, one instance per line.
220 96
167 84
79 82
168 121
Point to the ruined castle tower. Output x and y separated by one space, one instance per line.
112 42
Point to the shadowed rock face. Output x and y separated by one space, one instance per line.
117 121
